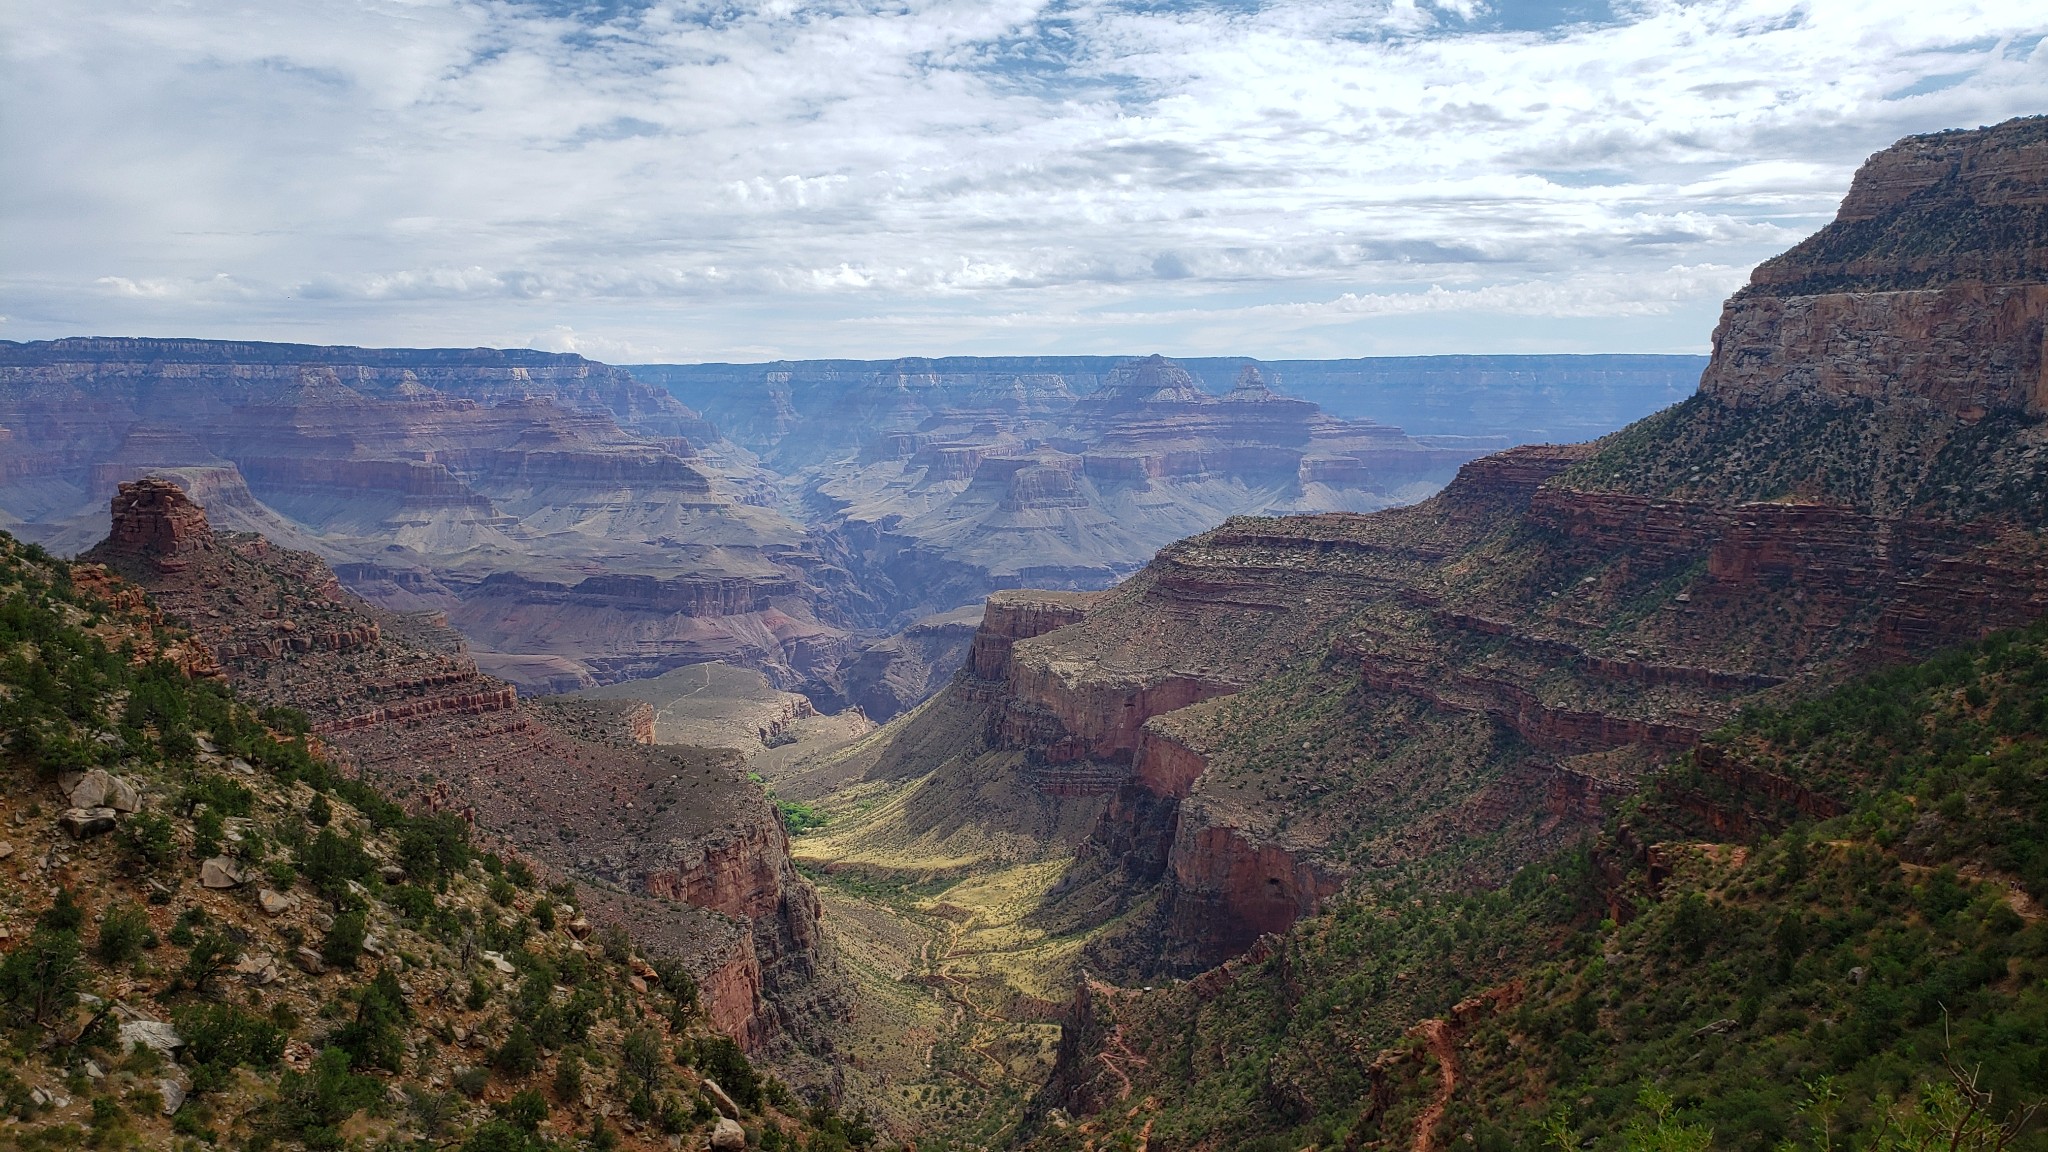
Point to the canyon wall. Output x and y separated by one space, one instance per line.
686 851
489 485
1280 706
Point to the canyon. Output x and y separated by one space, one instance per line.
672 841
1138 679
579 525
1282 709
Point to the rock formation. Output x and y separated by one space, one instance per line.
575 523
681 843
1043 488
1278 707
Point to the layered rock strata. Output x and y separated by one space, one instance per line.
573 521
686 846
1047 488
1281 706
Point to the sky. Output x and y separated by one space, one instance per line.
682 181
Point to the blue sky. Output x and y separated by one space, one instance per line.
685 180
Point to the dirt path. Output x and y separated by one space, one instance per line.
1442 1045
1115 1040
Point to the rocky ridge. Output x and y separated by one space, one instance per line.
210 933
1076 492
1277 708
577 524
680 837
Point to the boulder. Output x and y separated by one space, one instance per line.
84 822
719 1099
579 928
728 1136
6 849
309 961
274 902
155 1035
258 968
220 872
100 788
173 1094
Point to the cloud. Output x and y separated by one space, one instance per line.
687 179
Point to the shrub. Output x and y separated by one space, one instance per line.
42 975
311 1106
721 1060
640 1058
329 861
343 945
148 840
63 915
220 1038
374 1039
518 1056
123 933
524 1109
211 953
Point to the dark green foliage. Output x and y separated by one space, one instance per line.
311 1106
330 860
123 932
220 1038
375 1038
343 944
148 840
63 914
218 793
720 1059
524 1109
569 1078
518 1056
554 1023
39 977
211 954
519 874
319 812
641 1059
434 847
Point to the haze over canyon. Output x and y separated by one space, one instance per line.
508 750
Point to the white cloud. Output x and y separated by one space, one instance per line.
839 177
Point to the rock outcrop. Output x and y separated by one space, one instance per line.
549 505
1277 707
692 854
1053 490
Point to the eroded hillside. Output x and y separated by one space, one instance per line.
1430 698
212 934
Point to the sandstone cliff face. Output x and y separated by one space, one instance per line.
692 853
1280 706
444 470
1050 490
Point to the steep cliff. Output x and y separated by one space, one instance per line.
494 486
1081 492
681 837
1279 707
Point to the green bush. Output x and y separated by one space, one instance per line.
42 975
518 1056
148 840
220 1038
312 1106
123 932
343 944
375 1038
